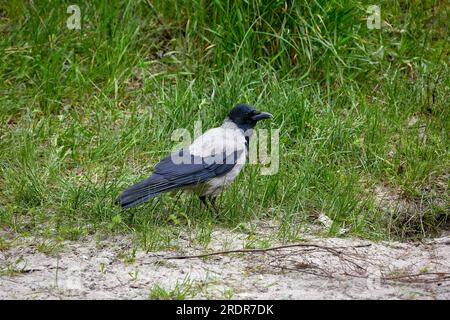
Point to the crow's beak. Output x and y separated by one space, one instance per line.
261 116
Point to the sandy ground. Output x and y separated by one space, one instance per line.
333 269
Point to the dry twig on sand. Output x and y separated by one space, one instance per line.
225 252
350 263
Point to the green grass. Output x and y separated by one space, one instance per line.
186 289
85 113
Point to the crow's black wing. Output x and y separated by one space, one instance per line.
170 174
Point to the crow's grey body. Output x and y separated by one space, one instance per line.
234 142
205 167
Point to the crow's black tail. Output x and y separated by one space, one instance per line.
143 191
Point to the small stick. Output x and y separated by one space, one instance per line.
262 250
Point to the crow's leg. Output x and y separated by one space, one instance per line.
203 200
209 201
212 200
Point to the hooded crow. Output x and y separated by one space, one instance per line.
205 167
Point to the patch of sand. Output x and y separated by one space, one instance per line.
91 269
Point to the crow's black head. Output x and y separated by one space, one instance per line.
246 117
